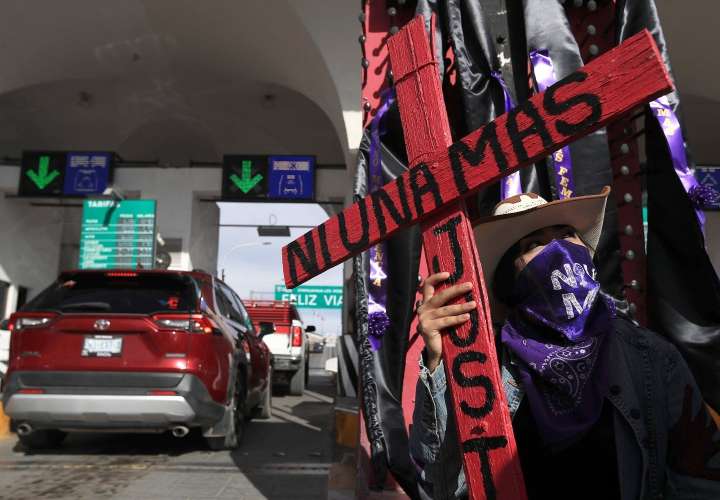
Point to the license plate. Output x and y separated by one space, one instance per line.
104 346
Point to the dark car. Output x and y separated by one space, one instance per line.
134 350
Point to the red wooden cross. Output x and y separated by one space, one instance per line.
432 191
483 422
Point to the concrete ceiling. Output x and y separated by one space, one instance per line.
174 80
181 80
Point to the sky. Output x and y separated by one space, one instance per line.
253 269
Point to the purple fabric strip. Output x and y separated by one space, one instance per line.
510 185
562 163
699 195
378 320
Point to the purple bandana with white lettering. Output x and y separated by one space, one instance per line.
556 332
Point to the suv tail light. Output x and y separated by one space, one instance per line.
161 392
193 324
31 391
297 334
31 322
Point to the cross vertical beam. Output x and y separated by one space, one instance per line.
490 459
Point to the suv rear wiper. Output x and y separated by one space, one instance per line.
92 306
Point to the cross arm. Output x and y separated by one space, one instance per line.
602 91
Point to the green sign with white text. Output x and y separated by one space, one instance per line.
312 297
118 234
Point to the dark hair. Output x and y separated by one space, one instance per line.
504 276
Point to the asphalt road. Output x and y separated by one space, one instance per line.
286 457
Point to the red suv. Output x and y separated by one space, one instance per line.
135 350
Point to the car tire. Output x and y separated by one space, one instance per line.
43 439
297 383
236 431
307 369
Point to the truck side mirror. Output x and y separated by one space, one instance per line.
310 328
266 328
5 324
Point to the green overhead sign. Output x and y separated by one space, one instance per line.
244 177
60 174
247 180
43 176
118 234
312 297
42 173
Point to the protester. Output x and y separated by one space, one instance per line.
601 407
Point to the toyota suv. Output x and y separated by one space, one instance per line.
129 350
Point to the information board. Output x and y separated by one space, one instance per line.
87 173
64 173
312 297
291 177
267 178
118 234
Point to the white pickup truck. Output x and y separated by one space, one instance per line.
288 342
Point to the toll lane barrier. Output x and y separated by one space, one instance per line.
4 356
347 425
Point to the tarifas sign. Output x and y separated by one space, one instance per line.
117 234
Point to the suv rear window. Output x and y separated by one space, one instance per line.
118 292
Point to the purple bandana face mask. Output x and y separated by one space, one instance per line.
555 332
557 289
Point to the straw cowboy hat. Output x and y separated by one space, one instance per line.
519 215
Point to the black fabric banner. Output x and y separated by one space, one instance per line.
382 371
547 27
683 289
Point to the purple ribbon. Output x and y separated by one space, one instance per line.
510 185
378 320
700 196
562 163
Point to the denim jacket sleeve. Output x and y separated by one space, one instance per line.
693 465
433 439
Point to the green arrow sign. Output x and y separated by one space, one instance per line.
246 183
43 177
